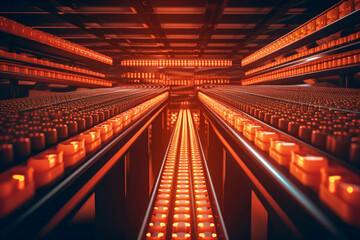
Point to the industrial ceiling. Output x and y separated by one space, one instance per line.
158 29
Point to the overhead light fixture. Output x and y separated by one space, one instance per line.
177 63
179 81
143 75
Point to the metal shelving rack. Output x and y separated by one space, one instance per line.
347 21
45 51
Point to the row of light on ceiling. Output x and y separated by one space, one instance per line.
143 75
150 75
177 63
180 82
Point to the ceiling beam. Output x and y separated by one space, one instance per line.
146 12
280 8
76 20
213 14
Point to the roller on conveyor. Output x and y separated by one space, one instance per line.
183 204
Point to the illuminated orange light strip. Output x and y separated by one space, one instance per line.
333 61
143 75
182 200
57 76
302 31
205 222
180 82
48 63
10 26
157 225
190 187
177 63
305 53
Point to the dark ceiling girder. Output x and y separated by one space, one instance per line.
41 19
76 20
172 31
279 8
151 41
117 54
213 13
146 12
187 49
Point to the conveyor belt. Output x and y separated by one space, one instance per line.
28 176
30 125
183 204
330 179
327 120
340 99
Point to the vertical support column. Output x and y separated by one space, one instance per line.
163 122
110 204
157 146
14 84
151 153
215 163
350 81
202 126
167 124
122 195
137 183
265 222
259 219
206 138
14 88
223 160
347 81
237 200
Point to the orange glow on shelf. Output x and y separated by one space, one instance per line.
332 180
48 75
325 46
315 65
321 21
21 180
350 189
52 159
18 29
48 63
